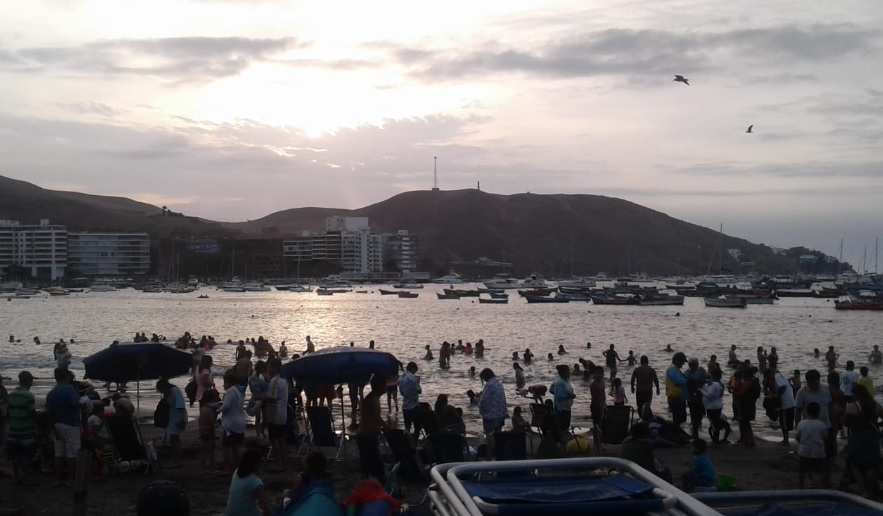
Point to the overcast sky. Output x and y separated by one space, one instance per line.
234 109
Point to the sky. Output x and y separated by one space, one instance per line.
234 109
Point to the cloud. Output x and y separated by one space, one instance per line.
798 169
642 52
184 59
96 108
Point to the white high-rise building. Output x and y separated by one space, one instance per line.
40 249
108 254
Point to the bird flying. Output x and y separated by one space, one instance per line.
749 129
680 78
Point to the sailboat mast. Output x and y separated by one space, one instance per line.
876 253
720 245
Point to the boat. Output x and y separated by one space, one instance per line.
408 295
493 300
503 282
324 292
482 290
408 286
462 292
575 296
725 302
361 292
545 291
385 292
231 288
660 300
102 287
869 303
57 291
544 299
447 295
576 283
755 300
299 288
614 300
335 290
495 295
452 278
256 287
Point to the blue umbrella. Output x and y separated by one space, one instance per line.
341 365
133 361
136 361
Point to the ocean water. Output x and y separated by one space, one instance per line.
405 326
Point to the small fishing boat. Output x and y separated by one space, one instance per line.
495 295
536 292
493 300
614 300
463 292
544 299
324 292
408 295
447 296
870 303
725 302
385 292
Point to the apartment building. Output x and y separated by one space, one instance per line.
108 254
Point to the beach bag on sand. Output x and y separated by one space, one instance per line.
161 414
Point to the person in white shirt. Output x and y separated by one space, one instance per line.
786 404
276 400
811 434
848 380
232 419
713 402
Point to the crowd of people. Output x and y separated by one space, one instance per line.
815 413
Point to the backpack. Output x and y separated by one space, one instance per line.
754 391
161 414
190 391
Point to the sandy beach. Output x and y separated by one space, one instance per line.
768 466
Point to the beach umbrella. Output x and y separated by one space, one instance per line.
136 361
340 365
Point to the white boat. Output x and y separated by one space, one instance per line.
580 283
57 291
21 292
300 288
255 286
725 302
102 287
193 281
503 282
452 278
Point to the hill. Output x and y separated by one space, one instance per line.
551 234
28 204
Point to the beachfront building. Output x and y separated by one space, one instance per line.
38 250
108 255
350 243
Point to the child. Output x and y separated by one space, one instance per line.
258 385
701 472
866 380
208 407
518 424
811 434
313 478
631 359
619 397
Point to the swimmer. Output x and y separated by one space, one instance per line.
561 350
428 355
527 356
515 356
473 398
668 349
588 345
631 359
732 360
816 352
550 357
472 371
876 356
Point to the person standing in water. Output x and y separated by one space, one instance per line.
612 359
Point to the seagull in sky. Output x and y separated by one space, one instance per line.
680 78
749 129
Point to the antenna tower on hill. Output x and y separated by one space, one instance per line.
435 173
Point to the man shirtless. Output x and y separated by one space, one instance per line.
643 380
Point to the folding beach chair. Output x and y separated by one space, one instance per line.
449 447
616 423
322 433
543 419
408 468
128 445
